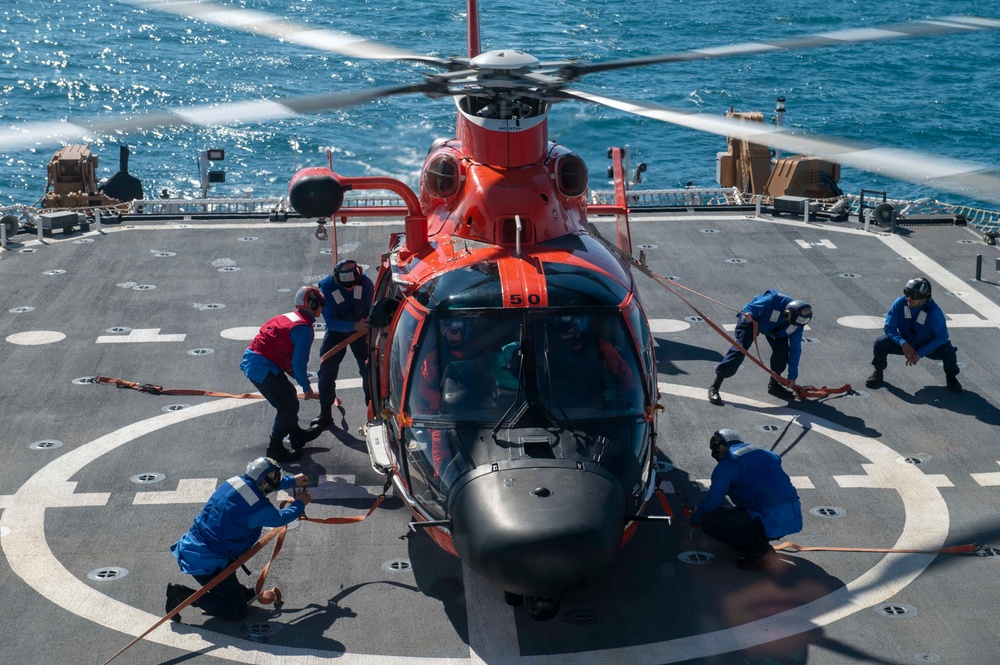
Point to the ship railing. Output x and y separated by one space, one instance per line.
672 198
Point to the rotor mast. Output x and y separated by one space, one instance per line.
473 36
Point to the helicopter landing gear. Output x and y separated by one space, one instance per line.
541 608
513 599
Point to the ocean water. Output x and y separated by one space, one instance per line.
81 59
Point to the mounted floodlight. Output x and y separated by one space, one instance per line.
216 154
216 176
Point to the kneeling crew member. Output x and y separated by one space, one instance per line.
781 319
282 347
228 526
767 505
915 328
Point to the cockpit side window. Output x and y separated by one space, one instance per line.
402 343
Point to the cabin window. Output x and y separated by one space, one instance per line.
402 343
571 175
442 176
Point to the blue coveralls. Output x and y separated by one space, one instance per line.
767 310
228 526
923 327
344 307
275 387
767 505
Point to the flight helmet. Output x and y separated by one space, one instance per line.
265 473
917 288
571 327
347 273
798 313
721 441
310 298
456 331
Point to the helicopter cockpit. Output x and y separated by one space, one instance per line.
494 386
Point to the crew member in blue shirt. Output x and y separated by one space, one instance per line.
348 293
780 318
282 347
915 328
228 526
766 504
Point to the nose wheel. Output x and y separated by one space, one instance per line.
542 608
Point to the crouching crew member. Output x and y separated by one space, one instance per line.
915 328
348 293
780 318
282 347
228 526
767 505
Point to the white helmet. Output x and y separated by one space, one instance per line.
265 473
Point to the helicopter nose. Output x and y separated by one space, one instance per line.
538 531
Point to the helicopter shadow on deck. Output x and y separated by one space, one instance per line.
669 352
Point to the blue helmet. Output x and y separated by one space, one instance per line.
452 328
265 473
347 273
798 312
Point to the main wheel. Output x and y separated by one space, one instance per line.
542 608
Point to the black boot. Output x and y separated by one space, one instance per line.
713 391
176 594
300 437
324 420
778 390
951 380
276 450
874 379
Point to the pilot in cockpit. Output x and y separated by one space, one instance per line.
580 358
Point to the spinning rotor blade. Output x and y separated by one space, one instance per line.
209 115
271 26
939 26
960 177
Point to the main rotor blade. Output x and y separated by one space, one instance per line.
209 115
261 23
939 26
969 179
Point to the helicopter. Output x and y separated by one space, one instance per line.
512 369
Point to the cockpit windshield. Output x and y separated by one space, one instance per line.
483 367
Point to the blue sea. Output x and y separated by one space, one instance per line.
81 59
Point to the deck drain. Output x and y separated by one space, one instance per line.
284 290
326 251
163 255
355 223
810 340
319 326
858 393
710 231
915 460
85 381
768 428
827 511
907 258
229 269
397 565
261 631
147 478
672 278
647 246
695 557
693 319
897 611
175 407
56 271
940 363
927 658
967 242
143 287
27 250
662 466
118 330
849 275
46 444
313 376
21 310
182 226
736 260
249 238
107 574
83 241
211 305
583 617
957 294
201 352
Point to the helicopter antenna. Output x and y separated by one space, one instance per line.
517 237
474 44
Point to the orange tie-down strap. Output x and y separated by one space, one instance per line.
803 392
154 389
264 596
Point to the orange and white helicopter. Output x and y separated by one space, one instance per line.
512 369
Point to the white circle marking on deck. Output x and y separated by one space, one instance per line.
668 325
241 334
925 527
862 322
36 337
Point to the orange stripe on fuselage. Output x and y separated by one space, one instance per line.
523 283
